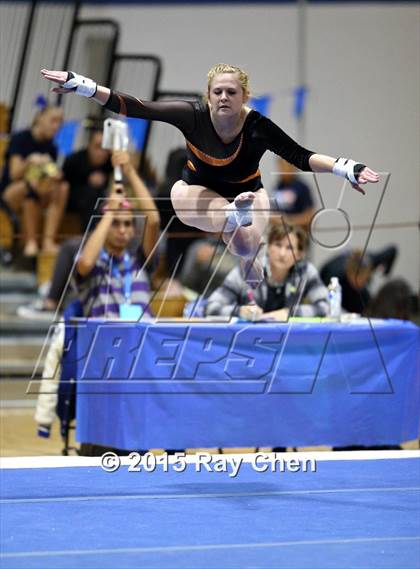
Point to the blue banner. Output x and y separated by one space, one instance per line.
208 385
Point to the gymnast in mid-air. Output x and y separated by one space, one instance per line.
221 188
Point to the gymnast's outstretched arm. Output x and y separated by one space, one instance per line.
178 113
70 82
282 145
346 168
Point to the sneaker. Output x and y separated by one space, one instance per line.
44 289
36 311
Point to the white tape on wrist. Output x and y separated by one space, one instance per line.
237 217
82 85
344 167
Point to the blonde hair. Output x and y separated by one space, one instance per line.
40 112
226 68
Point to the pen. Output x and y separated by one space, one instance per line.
251 297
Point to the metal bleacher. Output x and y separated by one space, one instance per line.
51 35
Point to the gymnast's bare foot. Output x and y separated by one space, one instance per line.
239 212
244 200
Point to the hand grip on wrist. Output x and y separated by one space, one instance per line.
348 169
80 85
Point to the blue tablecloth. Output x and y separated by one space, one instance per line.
179 385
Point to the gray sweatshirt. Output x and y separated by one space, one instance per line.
302 292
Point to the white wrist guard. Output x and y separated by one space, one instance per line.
237 216
81 85
348 169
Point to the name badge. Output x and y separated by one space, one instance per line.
131 312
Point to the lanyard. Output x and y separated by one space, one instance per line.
116 273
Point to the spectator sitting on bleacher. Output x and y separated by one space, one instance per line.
44 309
354 271
207 263
87 172
291 286
291 199
394 299
31 180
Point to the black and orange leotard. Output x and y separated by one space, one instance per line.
228 169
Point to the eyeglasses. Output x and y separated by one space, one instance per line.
122 223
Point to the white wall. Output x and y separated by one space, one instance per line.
363 76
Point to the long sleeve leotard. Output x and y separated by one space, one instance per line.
228 169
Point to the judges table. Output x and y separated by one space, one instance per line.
190 385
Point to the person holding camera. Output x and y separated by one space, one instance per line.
112 273
32 182
112 267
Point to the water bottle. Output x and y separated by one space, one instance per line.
334 298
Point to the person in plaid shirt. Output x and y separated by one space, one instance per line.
112 276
